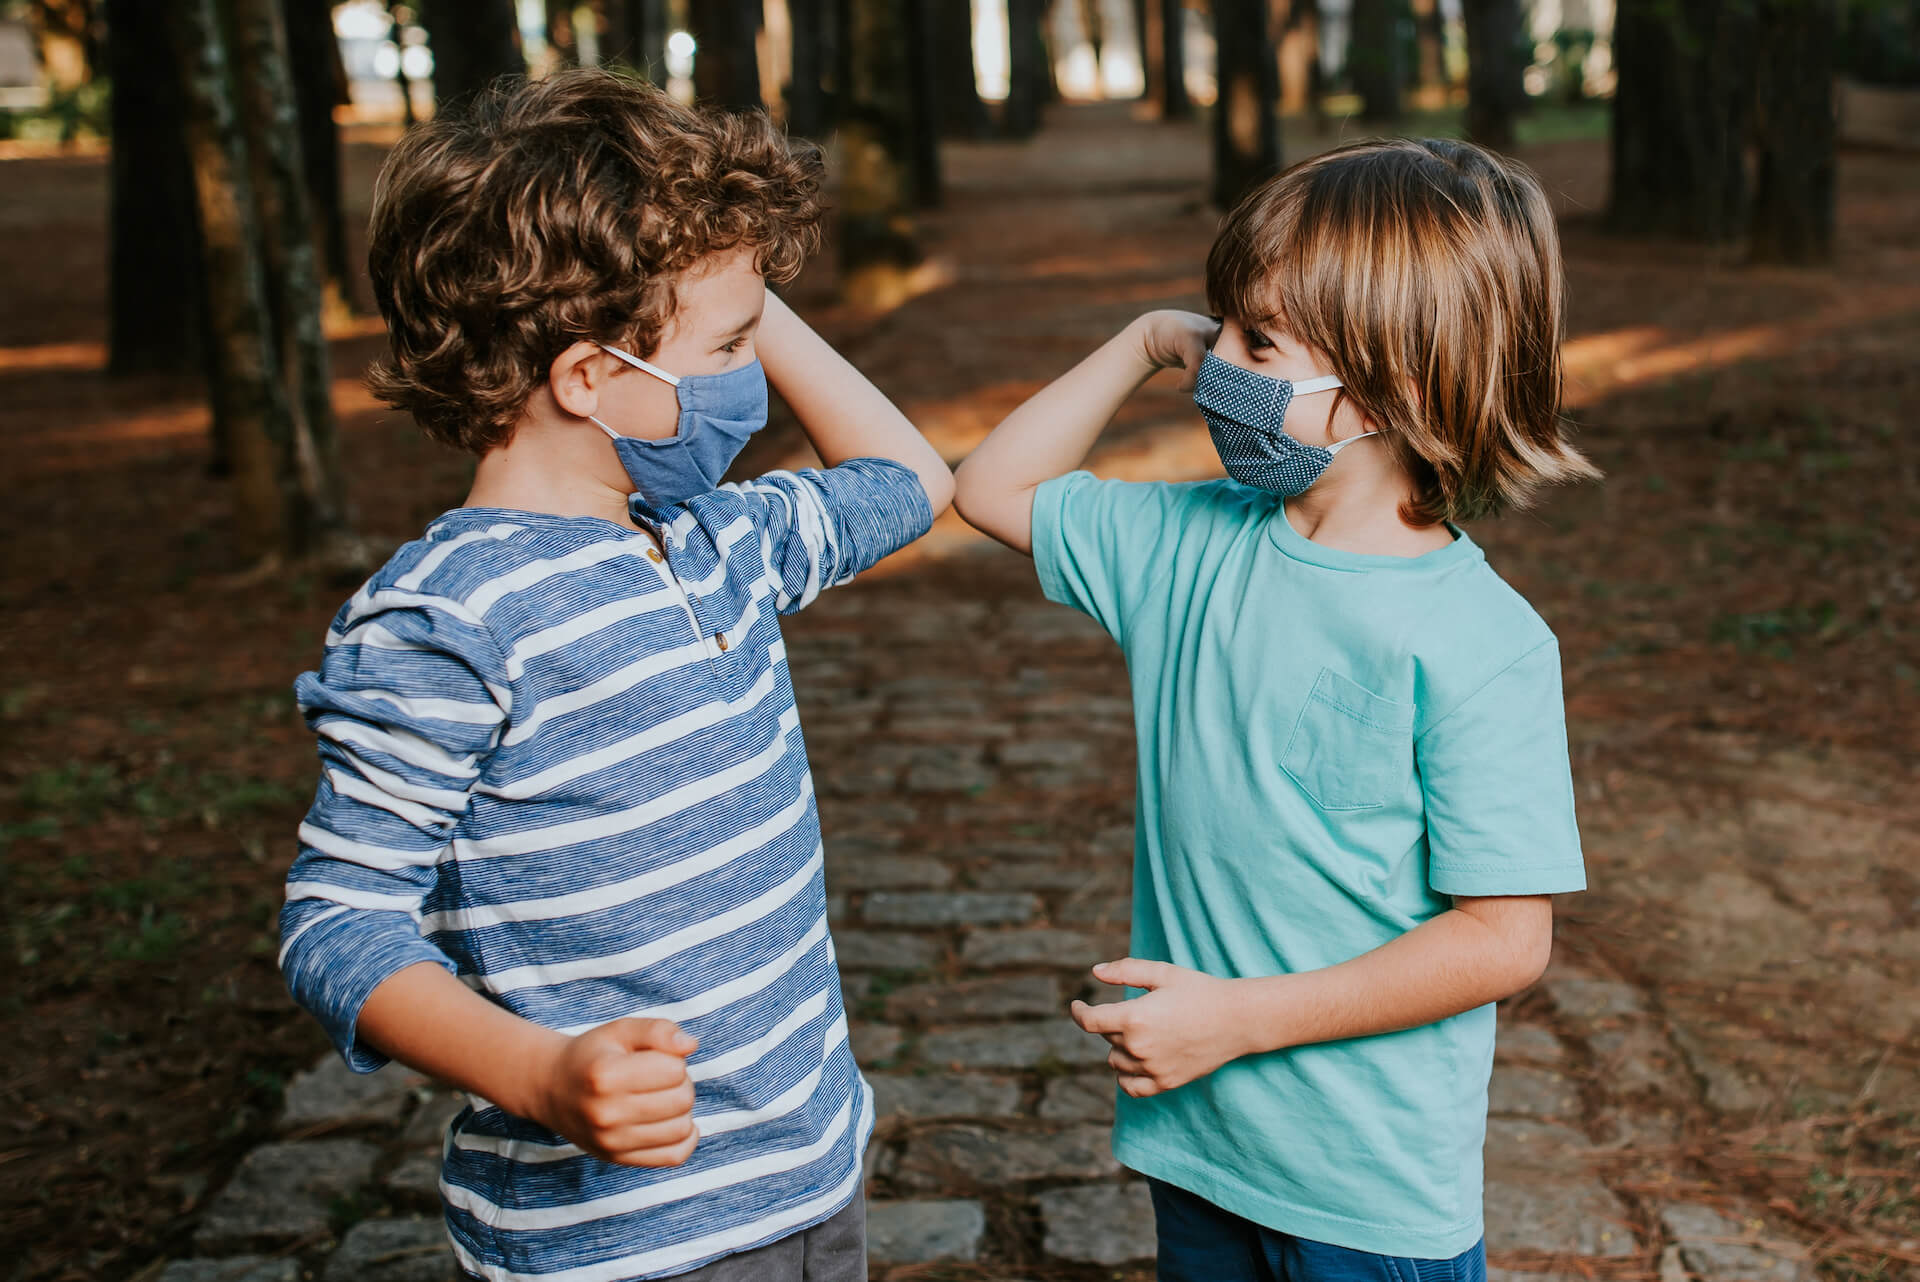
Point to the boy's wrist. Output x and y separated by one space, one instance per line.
1269 1014
526 1079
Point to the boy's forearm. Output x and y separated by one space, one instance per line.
1458 961
1050 434
430 1021
843 414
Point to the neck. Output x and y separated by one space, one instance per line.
562 468
1355 506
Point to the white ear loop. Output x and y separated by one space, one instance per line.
669 379
1326 383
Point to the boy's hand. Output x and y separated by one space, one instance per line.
621 1092
1181 1030
1177 340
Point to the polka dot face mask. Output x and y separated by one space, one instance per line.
1245 410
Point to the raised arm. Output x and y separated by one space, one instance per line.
1052 432
843 414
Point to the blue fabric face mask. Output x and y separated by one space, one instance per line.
1244 412
718 412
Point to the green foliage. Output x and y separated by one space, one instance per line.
68 115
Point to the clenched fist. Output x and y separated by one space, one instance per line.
621 1092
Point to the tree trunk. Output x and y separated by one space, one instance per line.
475 42
613 32
1173 39
1374 60
278 170
726 62
1680 118
1301 74
1246 131
1430 63
249 396
397 35
319 85
878 246
1496 93
806 90
1151 46
922 95
156 321
1026 66
1794 183
647 20
961 113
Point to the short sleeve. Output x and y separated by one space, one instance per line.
821 526
1498 787
1098 546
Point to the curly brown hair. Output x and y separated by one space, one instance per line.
553 211
1429 273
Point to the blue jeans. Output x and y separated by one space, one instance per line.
1199 1242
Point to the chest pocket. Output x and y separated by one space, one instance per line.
1350 749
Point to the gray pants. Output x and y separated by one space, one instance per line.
834 1250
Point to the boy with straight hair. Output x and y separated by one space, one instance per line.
564 852
1354 794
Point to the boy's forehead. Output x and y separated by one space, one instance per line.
724 290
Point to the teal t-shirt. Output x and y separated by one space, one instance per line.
1331 745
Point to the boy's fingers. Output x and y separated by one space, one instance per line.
637 1034
659 1079
1137 1086
1124 1064
651 1135
1104 1020
1132 972
666 1155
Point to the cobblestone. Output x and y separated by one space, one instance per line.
948 908
944 1095
330 1095
871 950
236 1268
918 1232
977 999
1099 1223
283 1192
1014 1046
1532 1092
971 1156
1042 946
393 1251
1083 1097
1717 1248
880 871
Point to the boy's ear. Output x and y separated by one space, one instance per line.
576 377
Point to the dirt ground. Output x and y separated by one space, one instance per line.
1738 606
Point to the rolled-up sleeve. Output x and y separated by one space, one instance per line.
409 701
821 526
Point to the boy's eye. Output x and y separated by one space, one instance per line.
734 345
1256 341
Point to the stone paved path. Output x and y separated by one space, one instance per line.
973 753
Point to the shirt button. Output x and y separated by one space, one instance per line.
722 639
655 554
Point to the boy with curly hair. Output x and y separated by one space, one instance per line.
564 852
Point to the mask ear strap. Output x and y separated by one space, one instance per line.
1325 383
669 379
1337 446
603 427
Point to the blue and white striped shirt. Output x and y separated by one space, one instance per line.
571 771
